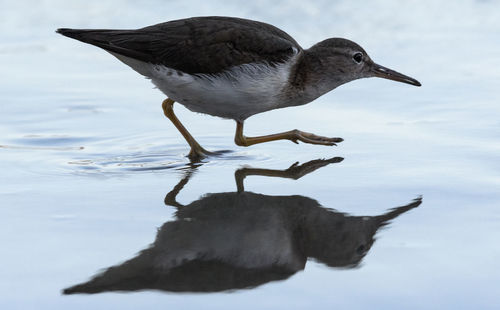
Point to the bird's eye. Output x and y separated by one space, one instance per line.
360 249
358 57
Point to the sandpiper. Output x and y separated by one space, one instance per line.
235 68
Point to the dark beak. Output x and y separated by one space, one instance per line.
386 73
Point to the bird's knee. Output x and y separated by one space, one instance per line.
168 107
240 141
167 104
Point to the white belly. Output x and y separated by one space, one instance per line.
237 93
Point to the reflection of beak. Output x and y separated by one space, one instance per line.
386 73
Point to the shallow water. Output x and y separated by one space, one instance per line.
93 174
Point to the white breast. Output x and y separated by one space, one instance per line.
236 93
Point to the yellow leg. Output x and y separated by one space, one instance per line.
292 135
197 151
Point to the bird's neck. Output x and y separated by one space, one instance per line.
311 78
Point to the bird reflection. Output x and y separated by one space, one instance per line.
228 241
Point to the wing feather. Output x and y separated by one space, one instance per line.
196 45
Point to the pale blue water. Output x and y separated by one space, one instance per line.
87 159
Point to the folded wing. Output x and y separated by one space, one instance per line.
195 45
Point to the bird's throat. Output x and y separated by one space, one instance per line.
310 79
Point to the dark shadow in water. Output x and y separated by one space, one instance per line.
227 241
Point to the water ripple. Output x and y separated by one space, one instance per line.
150 160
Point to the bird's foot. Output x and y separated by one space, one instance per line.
198 153
297 171
310 138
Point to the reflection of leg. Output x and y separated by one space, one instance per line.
292 135
170 198
197 151
293 172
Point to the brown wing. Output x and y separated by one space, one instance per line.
195 45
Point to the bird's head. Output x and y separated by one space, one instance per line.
342 61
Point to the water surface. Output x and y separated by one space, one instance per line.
94 177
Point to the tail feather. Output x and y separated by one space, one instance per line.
121 42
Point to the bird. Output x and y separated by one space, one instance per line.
234 68
240 240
